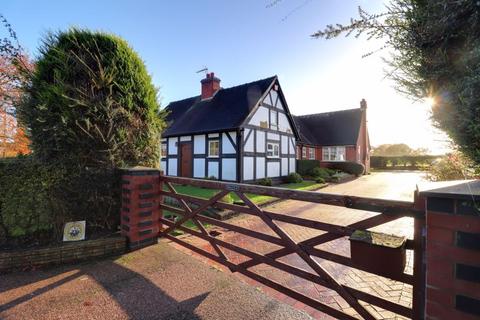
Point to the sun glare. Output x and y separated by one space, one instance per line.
430 101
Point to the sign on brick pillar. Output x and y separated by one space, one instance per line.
453 250
140 206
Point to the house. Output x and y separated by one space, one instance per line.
243 133
335 136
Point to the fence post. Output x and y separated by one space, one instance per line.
453 251
418 299
140 210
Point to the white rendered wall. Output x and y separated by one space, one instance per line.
260 141
199 144
227 146
172 145
199 168
273 169
229 169
260 115
213 169
248 168
172 167
285 167
260 168
248 141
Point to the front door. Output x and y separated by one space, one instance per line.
186 159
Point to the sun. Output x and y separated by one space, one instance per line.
430 101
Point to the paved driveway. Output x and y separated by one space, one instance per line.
157 282
387 185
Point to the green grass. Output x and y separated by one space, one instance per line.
257 199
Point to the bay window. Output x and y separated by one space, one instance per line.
333 153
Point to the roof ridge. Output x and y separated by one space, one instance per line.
239 85
322 113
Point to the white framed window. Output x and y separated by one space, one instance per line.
311 153
273 119
273 150
213 148
333 153
304 152
163 150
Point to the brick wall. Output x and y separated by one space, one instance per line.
452 254
66 253
140 210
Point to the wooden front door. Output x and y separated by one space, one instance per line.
186 160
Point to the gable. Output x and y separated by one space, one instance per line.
272 113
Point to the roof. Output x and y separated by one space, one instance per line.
338 128
226 110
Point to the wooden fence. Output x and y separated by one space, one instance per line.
191 207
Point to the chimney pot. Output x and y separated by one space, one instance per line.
363 104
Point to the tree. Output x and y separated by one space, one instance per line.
91 103
14 69
435 52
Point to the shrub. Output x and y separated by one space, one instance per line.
319 180
265 182
293 178
349 167
319 172
305 166
454 166
91 102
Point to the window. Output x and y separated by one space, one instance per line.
304 152
311 153
333 153
213 148
273 150
163 152
273 119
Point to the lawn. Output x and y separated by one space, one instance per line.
257 199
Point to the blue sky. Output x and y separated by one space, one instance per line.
242 41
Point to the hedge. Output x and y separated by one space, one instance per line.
37 199
349 167
304 167
402 162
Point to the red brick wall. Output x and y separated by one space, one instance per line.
140 210
444 252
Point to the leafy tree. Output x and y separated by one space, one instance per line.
435 52
14 67
92 103
455 166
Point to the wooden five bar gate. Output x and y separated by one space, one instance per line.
189 208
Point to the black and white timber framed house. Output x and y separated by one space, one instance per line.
242 134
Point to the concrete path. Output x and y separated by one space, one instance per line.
388 185
158 282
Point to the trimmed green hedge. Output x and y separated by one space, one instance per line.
27 205
304 167
37 199
349 167
399 162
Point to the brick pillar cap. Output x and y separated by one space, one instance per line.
458 189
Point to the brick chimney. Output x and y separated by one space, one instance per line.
210 85
363 104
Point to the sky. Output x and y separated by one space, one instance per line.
243 41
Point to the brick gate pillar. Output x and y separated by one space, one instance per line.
140 210
453 250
